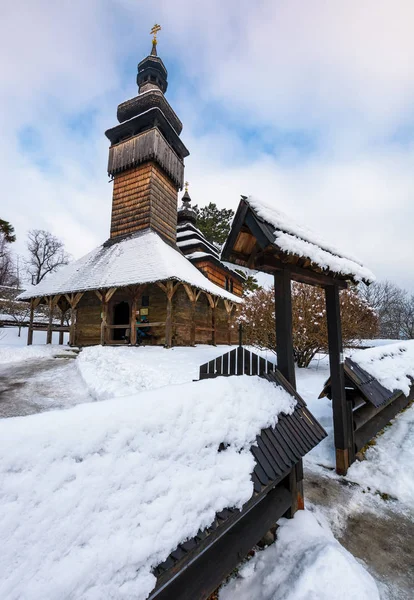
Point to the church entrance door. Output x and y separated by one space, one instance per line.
121 317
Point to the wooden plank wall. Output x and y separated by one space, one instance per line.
88 328
218 276
144 197
88 321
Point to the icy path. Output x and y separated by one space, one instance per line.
40 384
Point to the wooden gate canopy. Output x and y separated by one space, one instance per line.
198 566
265 239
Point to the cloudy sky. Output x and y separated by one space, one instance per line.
309 103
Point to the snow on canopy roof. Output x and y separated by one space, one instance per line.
293 238
392 365
93 510
144 258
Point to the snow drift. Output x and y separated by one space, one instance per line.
305 563
93 497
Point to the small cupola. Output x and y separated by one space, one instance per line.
152 73
186 214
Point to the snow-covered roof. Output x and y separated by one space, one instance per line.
391 365
143 258
296 239
92 510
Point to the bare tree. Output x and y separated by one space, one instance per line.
388 301
46 254
407 318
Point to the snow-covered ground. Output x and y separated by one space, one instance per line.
305 563
58 451
98 495
13 348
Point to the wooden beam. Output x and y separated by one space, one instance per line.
284 334
342 410
163 286
271 264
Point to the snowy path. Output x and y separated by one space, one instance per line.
379 533
40 384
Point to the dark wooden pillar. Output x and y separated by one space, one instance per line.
284 335
342 410
30 330
286 365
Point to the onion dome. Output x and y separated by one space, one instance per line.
185 211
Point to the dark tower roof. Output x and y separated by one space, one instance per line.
186 214
148 128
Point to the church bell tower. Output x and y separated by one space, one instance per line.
146 156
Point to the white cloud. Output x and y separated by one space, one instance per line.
342 71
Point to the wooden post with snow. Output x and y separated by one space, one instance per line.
284 333
286 365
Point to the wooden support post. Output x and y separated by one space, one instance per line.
104 320
72 331
193 297
342 412
229 307
169 288
286 365
73 300
30 330
213 324
50 323
284 335
133 327
168 320
61 333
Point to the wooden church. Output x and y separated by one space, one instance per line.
157 279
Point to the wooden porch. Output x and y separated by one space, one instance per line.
164 313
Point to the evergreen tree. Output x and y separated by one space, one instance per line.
214 222
7 230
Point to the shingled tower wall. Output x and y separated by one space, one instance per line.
146 157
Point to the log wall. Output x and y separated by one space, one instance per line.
218 276
144 197
88 320
88 324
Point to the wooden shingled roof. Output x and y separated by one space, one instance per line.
276 242
278 449
357 379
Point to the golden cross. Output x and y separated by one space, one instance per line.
154 32
186 186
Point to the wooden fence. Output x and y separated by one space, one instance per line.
238 361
